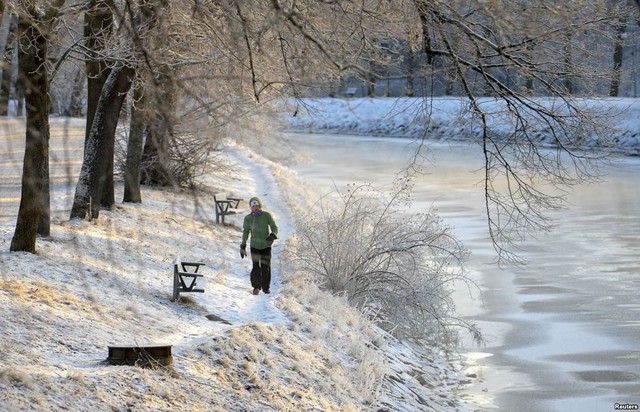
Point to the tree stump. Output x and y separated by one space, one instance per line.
144 356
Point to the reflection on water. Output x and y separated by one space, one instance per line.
562 331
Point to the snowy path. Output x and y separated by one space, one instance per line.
231 299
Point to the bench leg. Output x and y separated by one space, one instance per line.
176 287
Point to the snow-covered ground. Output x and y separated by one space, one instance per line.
446 118
109 282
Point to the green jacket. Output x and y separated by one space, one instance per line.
258 226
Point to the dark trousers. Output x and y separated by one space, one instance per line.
261 271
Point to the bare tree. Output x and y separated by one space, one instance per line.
211 63
160 131
98 28
75 107
34 27
620 28
508 52
98 149
487 43
134 148
119 53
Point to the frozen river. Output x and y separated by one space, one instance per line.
563 333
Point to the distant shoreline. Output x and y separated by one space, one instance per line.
412 118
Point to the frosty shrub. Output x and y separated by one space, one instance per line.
191 155
396 266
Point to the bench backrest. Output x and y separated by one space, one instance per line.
350 92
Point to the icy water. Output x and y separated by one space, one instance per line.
563 333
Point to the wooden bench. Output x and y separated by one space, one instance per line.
186 278
350 92
225 206
144 356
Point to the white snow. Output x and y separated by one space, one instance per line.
448 118
108 282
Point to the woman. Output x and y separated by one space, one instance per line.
263 230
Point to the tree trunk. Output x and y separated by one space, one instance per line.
568 59
155 158
18 95
371 81
108 197
411 66
134 148
426 37
44 224
34 211
98 25
98 22
75 108
99 146
156 168
618 55
7 66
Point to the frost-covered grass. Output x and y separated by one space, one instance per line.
108 282
95 284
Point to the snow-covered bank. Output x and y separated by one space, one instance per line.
108 282
441 118
554 328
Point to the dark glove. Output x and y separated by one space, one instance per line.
243 251
270 239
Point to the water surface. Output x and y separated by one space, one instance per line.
562 332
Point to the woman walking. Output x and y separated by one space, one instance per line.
263 231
